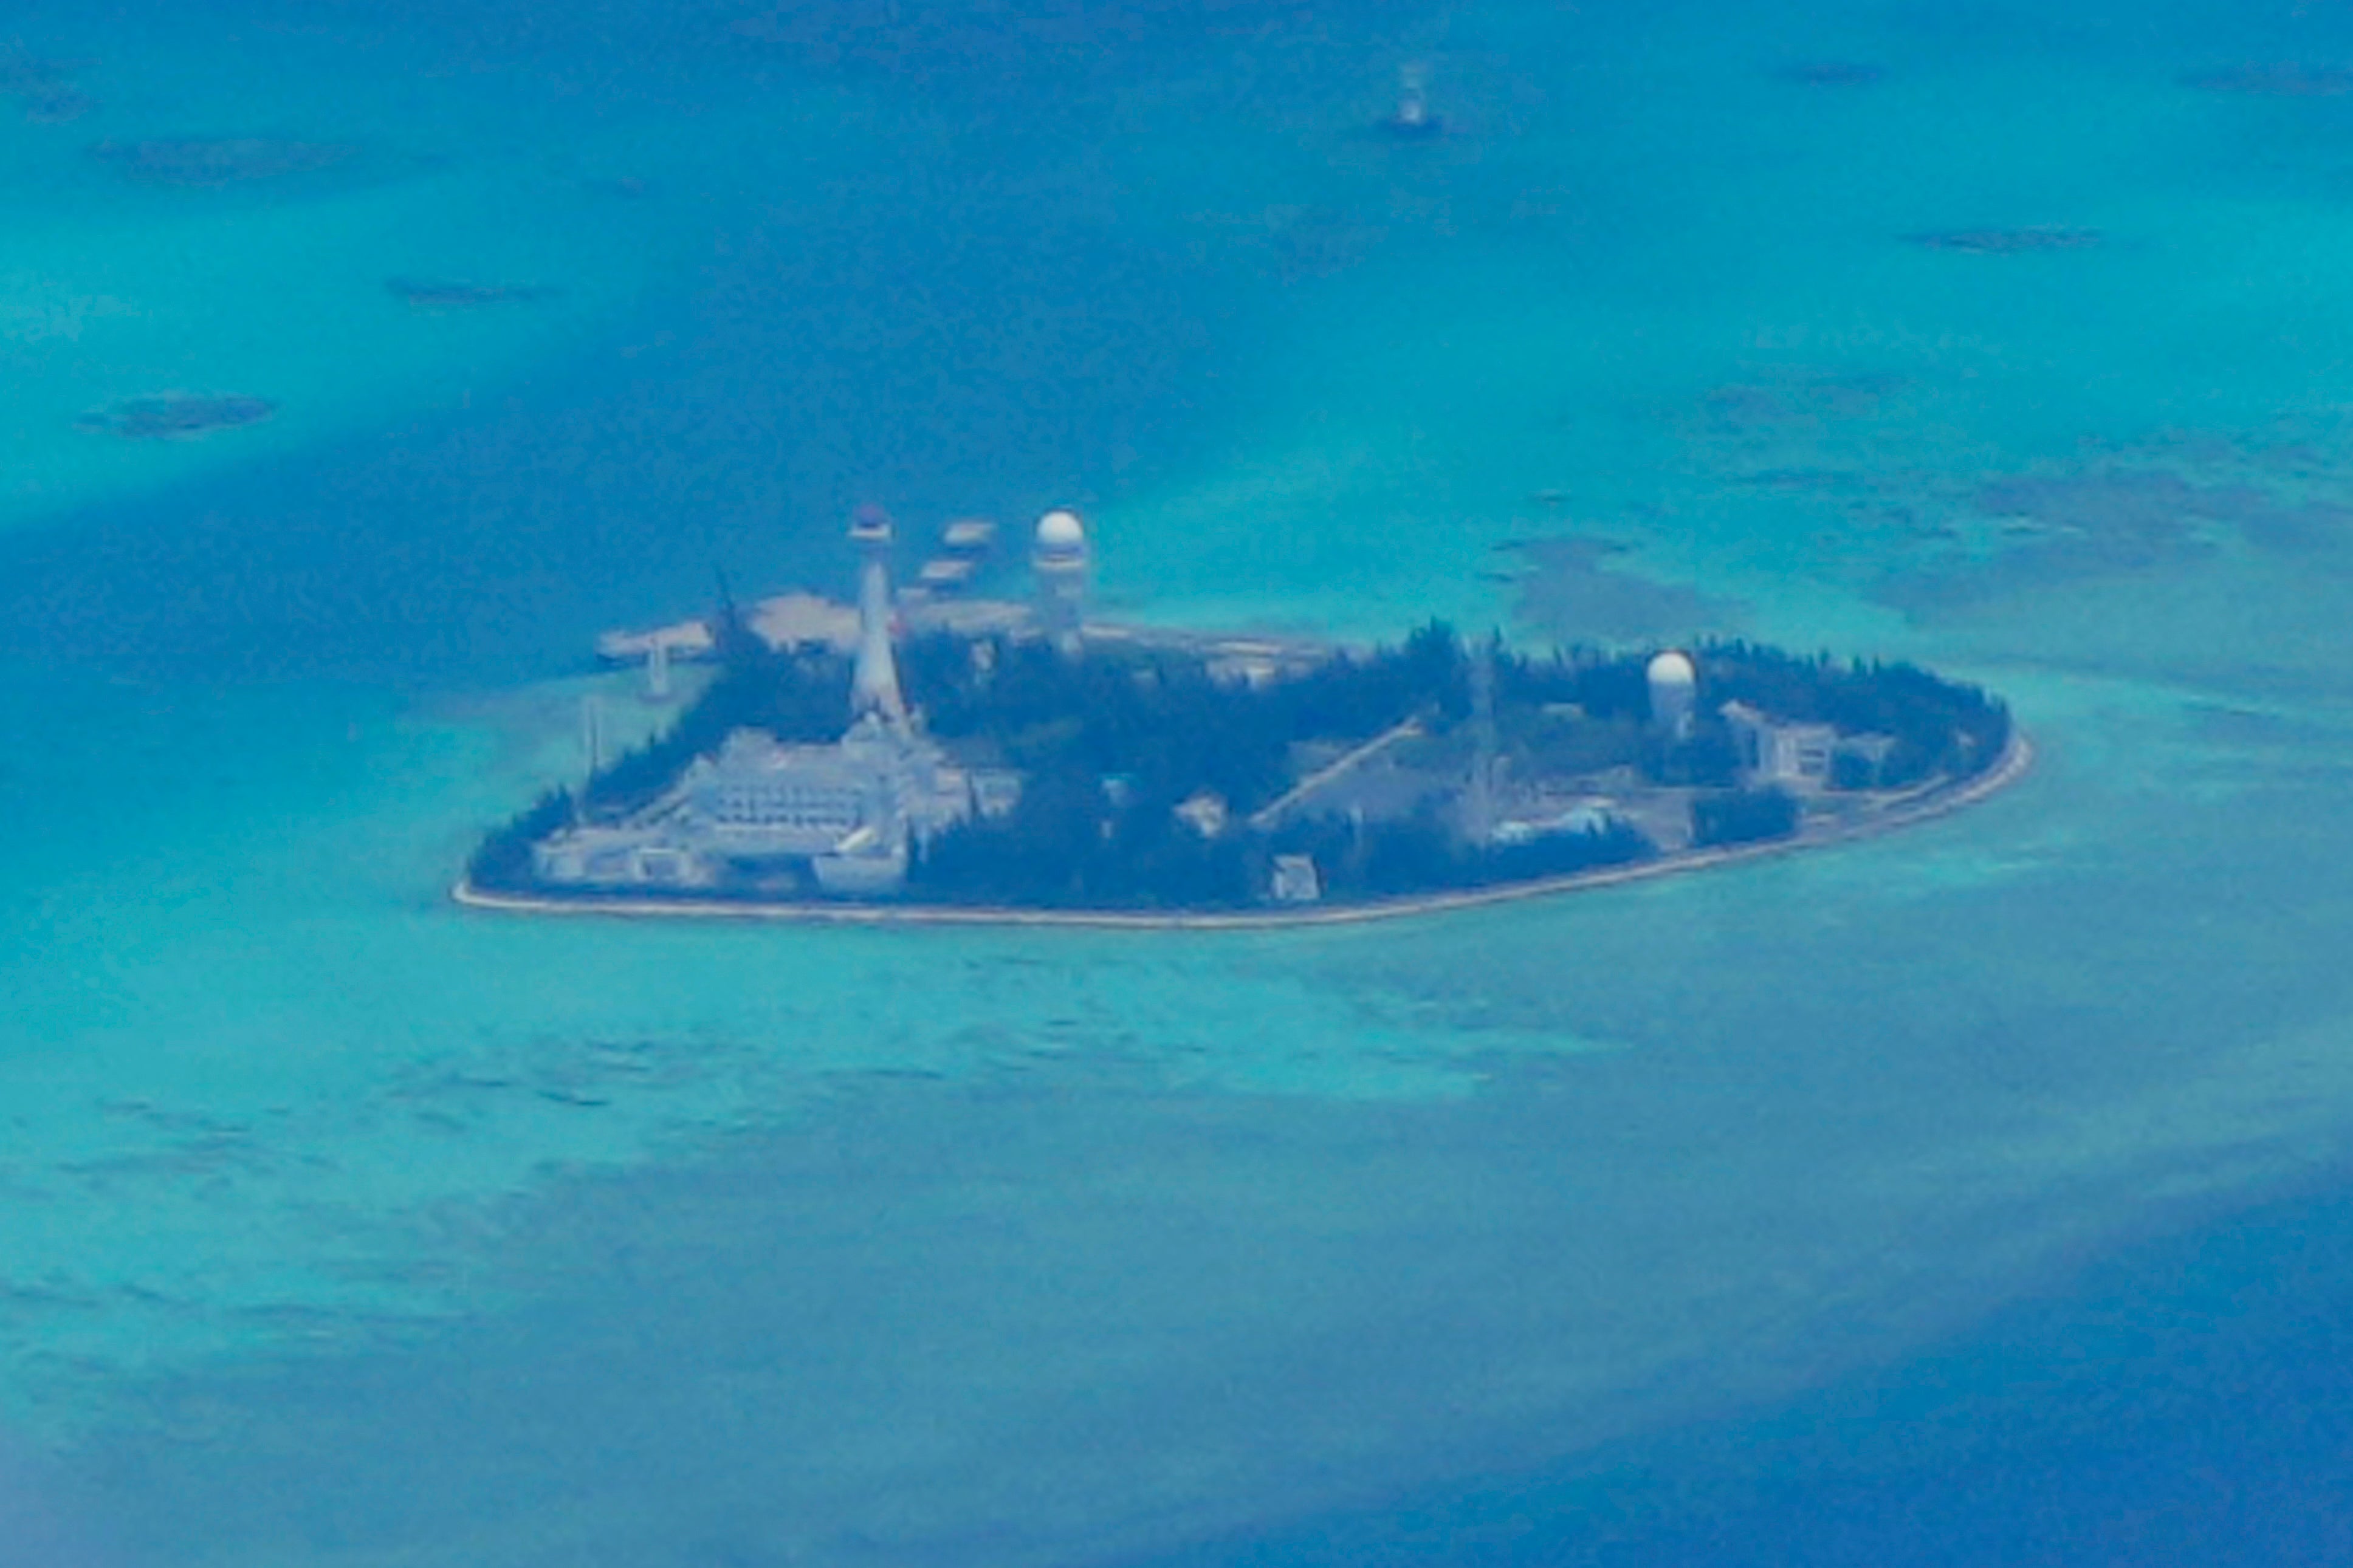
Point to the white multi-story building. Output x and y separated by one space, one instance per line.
1772 752
758 798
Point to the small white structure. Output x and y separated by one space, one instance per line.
687 639
995 792
1204 814
944 573
1588 817
1059 561
618 857
1673 683
1775 752
970 535
1295 880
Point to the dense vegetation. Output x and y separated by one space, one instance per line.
1743 815
1112 743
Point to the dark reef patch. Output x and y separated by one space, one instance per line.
2072 528
1575 595
1799 400
57 105
1832 73
2273 81
21 73
1311 242
46 89
208 161
2033 239
2080 527
2239 729
444 294
176 415
2296 528
1806 481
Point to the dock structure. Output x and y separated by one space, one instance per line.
939 601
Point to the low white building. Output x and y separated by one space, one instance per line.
1773 752
1589 818
1294 881
619 857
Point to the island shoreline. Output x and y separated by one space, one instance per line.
1937 800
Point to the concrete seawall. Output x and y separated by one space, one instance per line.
1938 800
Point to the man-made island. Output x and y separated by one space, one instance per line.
930 756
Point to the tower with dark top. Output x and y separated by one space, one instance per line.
874 679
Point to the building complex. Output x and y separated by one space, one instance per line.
1078 764
843 819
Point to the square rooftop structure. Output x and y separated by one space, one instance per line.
1772 752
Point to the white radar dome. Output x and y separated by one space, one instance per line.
1672 669
1059 531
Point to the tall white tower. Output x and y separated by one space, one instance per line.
1058 566
874 680
657 670
1674 688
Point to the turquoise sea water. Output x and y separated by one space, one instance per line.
1821 1210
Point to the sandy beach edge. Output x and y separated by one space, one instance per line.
2016 760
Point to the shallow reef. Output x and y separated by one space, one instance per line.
1307 242
212 161
1798 400
2036 530
2007 241
33 73
46 89
176 415
1571 592
2275 80
56 105
448 294
1832 73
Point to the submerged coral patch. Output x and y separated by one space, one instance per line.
2007 241
1571 592
176 415
2040 531
1832 73
447 294
2275 80
214 160
56 105
46 88
32 73
1801 400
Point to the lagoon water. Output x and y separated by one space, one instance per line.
1973 1195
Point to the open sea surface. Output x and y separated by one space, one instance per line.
1979 1194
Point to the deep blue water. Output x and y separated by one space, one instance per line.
2188 1402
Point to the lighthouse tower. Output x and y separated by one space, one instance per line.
874 679
1058 568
